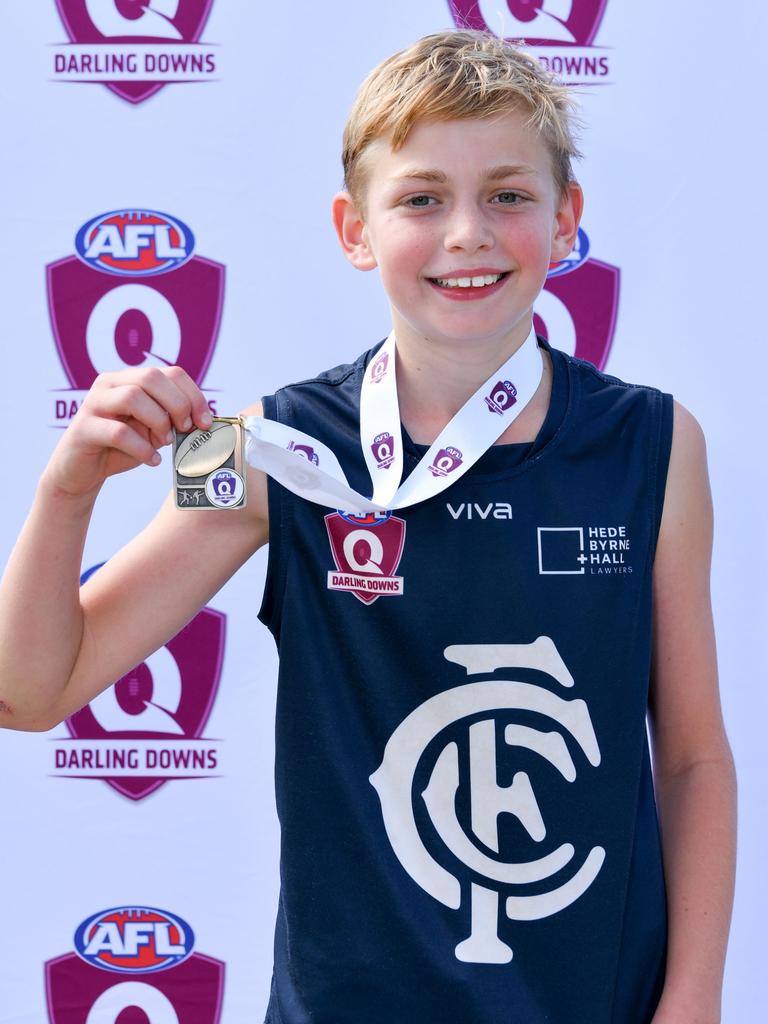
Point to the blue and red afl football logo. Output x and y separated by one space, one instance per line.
578 307
560 32
134 963
133 939
134 47
147 729
134 243
134 294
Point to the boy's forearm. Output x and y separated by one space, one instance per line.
697 810
40 614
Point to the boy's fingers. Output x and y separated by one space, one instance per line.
201 414
131 400
121 435
171 388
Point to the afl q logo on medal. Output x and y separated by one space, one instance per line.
483 702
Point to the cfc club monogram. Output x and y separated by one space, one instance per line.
393 782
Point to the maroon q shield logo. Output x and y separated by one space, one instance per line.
502 397
383 449
77 993
446 461
578 310
102 322
104 25
538 22
153 717
366 557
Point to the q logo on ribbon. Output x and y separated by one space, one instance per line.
394 779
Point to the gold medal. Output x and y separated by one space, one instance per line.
208 465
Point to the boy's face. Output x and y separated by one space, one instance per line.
461 199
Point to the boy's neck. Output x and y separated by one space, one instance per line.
435 379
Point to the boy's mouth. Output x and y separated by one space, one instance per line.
466 286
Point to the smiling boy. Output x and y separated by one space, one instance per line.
463 775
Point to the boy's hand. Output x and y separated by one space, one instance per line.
123 421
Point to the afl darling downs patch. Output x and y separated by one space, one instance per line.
463 777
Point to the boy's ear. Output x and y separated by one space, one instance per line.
353 236
567 221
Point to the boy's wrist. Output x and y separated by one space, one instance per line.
51 492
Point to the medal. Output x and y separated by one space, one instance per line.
208 465
310 469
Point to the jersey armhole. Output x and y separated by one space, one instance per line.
279 511
660 452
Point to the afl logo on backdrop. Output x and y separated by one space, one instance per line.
469 716
134 963
134 293
134 243
134 939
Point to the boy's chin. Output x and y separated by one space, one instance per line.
463 335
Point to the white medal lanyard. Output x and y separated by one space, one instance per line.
310 469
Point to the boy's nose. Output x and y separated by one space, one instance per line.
468 229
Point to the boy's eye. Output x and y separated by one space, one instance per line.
419 201
509 198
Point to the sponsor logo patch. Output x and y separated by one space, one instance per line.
584 550
366 554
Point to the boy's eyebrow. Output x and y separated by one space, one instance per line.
492 174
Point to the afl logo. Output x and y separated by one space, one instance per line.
468 736
133 940
575 257
134 243
367 519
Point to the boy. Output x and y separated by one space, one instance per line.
450 853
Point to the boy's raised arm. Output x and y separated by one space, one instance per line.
59 645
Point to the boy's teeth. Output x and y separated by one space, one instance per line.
468 282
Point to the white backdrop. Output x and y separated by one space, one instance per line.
248 158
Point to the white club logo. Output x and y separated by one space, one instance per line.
393 781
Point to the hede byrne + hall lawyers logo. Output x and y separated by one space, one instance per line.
560 33
578 306
134 294
134 963
438 784
584 550
147 728
134 47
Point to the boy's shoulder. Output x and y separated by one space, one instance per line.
336 376
598 381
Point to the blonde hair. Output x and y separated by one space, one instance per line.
458 74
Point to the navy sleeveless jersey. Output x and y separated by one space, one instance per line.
463 780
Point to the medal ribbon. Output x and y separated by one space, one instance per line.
310 469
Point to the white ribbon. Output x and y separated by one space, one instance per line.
310 469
